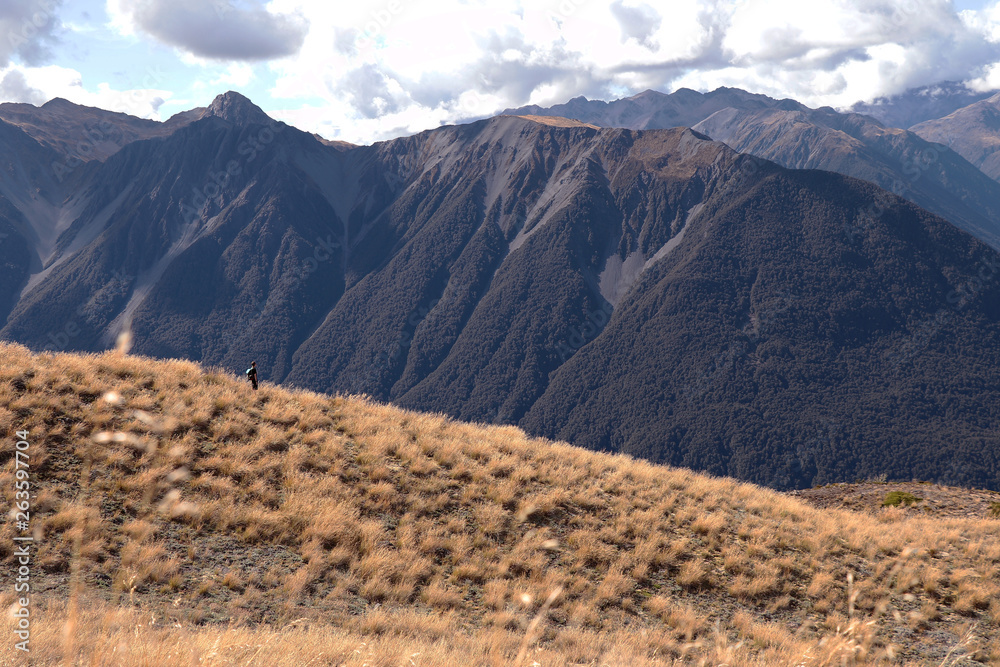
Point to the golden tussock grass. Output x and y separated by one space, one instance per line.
197 522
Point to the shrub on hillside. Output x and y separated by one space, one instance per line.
897 498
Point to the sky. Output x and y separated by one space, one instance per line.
364 71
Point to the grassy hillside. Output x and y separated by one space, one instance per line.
182 519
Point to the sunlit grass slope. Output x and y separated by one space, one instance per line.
183 519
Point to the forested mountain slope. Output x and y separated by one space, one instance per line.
653 292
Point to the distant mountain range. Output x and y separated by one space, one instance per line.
86 133
652 110
973 132
653 292
917 105
795 136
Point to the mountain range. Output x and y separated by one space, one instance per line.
654 292
929 174
920 104
972 131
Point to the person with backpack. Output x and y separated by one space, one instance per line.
252 374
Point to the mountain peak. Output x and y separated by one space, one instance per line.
236 108
59 103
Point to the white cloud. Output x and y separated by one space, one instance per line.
406 63
28 29
372 69
638 23
14 87
217 29
236 75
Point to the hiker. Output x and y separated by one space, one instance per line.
252 374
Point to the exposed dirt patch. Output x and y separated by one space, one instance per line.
558 121
935 500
